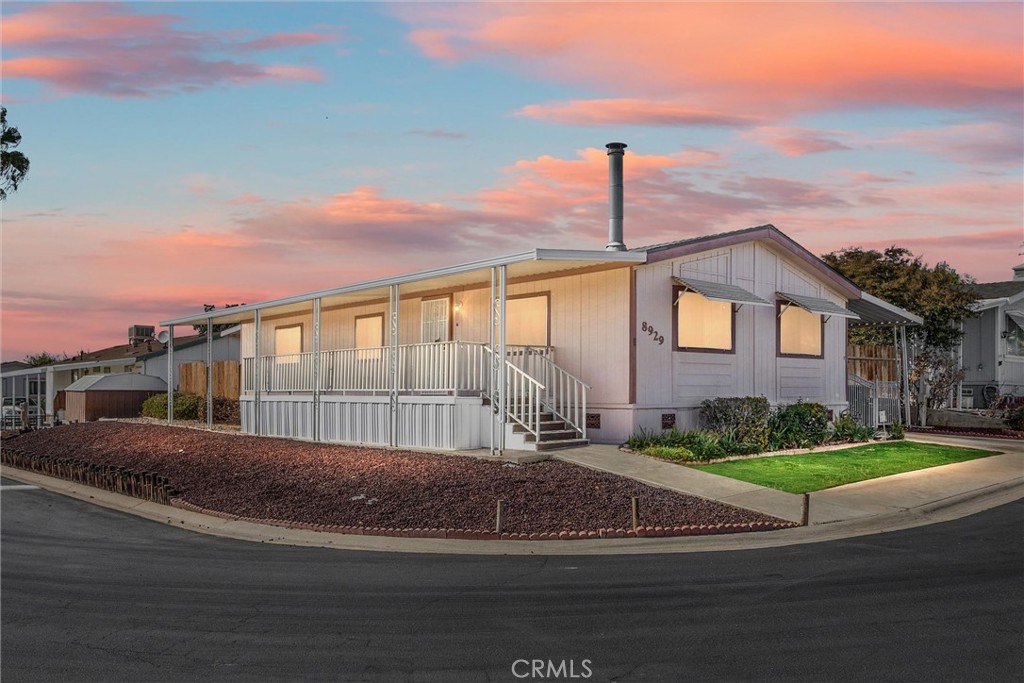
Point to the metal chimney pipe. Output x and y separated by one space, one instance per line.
616 150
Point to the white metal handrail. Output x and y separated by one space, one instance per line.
522 397
565 395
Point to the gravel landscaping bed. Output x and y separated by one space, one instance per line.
324 484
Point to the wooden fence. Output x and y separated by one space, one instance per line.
227 378
872 362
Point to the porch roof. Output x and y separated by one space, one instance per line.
537 262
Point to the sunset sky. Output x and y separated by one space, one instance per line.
210 153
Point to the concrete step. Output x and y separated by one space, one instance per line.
562 444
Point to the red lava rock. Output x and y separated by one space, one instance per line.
259 479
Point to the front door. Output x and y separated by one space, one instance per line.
435 320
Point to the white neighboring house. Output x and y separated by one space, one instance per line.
147 357
992 347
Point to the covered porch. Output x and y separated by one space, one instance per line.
448 358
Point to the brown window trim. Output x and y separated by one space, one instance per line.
547 308
676 291
779 303
383 330
302 335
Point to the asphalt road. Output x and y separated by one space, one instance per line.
94 595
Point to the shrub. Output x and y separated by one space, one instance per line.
843 428
668 452
642 439
798 425
1014 418
703 445
225 411
745 418
897 432
186 406
733 444
863 433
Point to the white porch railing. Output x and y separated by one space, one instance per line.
449 367
535 385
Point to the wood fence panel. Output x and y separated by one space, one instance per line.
872 362
227 378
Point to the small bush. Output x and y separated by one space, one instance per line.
732 443
642 439
1014 418
668 452
186 406
225 411
746 419
896 432
863 433
703 445
843 428
798 425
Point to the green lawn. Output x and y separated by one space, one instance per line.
816 471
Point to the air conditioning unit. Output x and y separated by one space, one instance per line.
141 332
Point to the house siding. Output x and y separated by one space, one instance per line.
670 380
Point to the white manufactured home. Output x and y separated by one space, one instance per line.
549 348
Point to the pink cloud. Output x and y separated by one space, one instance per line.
110 49
795 142
979 143
864 54
608 112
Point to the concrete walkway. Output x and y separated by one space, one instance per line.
864 499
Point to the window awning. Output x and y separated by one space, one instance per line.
717 291
820 306
1017 317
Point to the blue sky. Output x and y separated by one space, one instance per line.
192 153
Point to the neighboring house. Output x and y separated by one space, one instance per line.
141 356
550 346
992 348
19 385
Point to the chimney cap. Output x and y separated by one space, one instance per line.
615 146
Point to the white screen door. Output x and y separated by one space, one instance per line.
435 320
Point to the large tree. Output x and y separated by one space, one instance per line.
44 358
939 295
13 165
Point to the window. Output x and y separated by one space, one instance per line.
1014 336
288 342
703 324
527 320
369 335
800 332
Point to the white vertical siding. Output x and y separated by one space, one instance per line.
676 379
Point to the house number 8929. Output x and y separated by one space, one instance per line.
653 333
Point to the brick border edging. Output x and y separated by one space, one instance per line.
478 535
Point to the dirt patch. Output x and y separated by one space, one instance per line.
267 478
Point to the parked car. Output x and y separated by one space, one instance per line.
13 408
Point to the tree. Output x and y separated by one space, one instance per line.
44 358
939 295
13 165
217 327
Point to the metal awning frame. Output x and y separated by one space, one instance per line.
823 307
738 298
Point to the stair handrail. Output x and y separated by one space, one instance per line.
566 395
523 395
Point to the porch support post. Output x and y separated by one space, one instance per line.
906 374
492 370
316 369
257 376
394 302
209 373
51 396
170 374
503 356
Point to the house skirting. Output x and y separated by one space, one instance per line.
436 422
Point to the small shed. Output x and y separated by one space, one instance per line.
114 395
